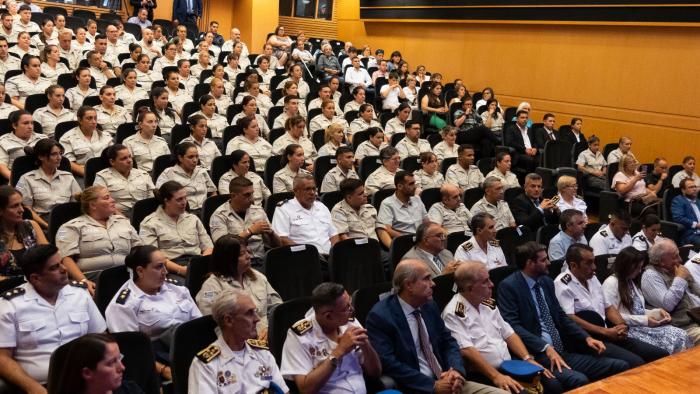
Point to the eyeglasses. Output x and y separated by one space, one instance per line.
440 236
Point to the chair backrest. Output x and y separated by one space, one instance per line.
330 199
555 268
498 274
669 195
379 196
455 239
61 214
471 196
358 138
671 230
21 166
63 128
124 131
276 133
609 148
411 164
322 165
272 114
446 163
197 270
399 247
272 165
609 203
160 164
363 299
108 283
486 165
35 101
92 167
272 202
512 237
546 233
177 134
356 263
143 208
189 339
317 138
396 138
282 318
591 229
603 266
294 271
430 196
368 165
210 205
444 289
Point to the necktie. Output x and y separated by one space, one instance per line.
424 342
547 319
438 263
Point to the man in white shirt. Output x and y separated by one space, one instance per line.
614 237
235 37
147 44
358 76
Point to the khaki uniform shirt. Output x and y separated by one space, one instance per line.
130 97
197 186
79 148
262 123
320 122
470 179
367 149
178 99
48 119
508 180
76 96
260 190
359 124
111 120
42 194
380 179
331 182
286 139
126 191
145 151
217 123
186 236
283 181
225 221
453 221
21 86
95 247
356 224
500 212
408 148
427 181
12 147
11 63
442 151
259 151
207 150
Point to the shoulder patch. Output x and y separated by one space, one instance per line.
460 310
495 242
695 259
173 282
75 283
10 294
489 302
123 296
641 237
566 279
208 354
279 204
257 344
302 327
604 233
467 246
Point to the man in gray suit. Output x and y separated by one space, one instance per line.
430 248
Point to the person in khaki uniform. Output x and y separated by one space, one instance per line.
98 239
232 269
293 161
12 144
206 147
252 226
451 213
110 115
28 83
295 127
383 177
428 176
47 186
493 204
192 177
353 217
85 141
54 113
145 145
177 233
464 174
215 121
373 145
411 144
502 171
251 142
240 166
125 183
342 171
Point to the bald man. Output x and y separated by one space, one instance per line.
450 212
235 37
409 315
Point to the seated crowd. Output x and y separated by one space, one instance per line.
394 153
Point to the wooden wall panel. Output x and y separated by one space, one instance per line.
313 27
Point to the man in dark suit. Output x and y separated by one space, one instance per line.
187 11
521 138
414 346
528 303
685 210
530 209
546 133
573 134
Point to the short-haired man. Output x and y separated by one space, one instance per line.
547 132
41 315
528 303
657 178
25 20
344 169
493 204
324 93
214 30
7 30
580 295
382 70
613 237
530 209
327 64
432 362
329 351
148 44
572 225
7 62
484 338
141 19
688 172
357 76
291 108
483 246
67 51
303 220
241 217
236 362
430 249
450 212
624 147
521 138
464 173
667 284
412 144
352 216
685 210
402 212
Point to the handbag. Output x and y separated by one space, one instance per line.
437 122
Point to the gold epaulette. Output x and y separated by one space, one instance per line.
208 354
302 327
460 310
258 344
490 302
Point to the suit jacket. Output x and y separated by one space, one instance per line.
180 9
526 214
541 137
682 213
518 309
568 136
514 138
417 253
391 337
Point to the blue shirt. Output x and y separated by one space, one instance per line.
544 334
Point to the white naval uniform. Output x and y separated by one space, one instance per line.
605 242
493 257
305 226
574 297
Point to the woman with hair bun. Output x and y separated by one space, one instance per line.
145 145
240 166
98 239
206 148
13 145
193 178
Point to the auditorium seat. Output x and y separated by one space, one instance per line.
294 271
356 263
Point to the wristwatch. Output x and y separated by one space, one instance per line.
335 361
528 357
